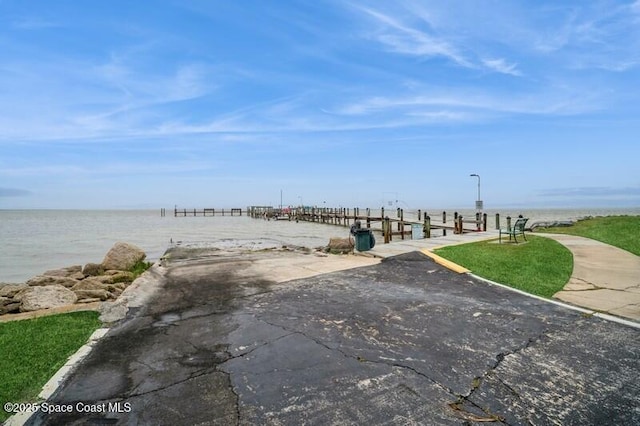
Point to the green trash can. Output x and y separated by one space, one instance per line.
364 239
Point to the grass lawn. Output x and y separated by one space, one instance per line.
541 266
33 350
619 231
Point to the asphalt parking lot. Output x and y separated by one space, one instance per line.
402 342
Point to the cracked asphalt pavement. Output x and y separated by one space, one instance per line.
402 342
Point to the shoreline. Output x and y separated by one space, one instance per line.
279 264
43 240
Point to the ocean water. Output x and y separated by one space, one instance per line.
33 241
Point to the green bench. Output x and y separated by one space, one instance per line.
517 228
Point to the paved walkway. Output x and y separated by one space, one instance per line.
399 246
605 278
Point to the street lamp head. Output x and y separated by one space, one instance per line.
474 175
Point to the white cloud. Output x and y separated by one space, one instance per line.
401 38
501 66
466 103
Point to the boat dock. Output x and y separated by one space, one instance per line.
389 224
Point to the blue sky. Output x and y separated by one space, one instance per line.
148 104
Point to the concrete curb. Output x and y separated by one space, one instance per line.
445 262
564 305
54 382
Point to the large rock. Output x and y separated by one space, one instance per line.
74 271
94 284
90 283
550 224
121 276
93 294
44 280
46 297
123 256
93 269
10 290
10 308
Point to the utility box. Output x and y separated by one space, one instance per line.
417 232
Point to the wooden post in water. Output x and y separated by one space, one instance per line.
508 223
419 215
426 228
368 218
497 220
444 217
382 213
477 221
386 229
460 224
484 222
401 224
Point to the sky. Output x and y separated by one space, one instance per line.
207 103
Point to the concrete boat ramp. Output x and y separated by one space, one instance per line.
241 339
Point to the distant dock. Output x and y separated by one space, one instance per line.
203 212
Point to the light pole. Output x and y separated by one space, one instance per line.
478 176
478 203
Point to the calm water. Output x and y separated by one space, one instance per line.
36 240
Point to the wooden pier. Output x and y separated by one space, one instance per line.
389 224
204 212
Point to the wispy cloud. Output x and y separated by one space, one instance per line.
463 103
502 66
402 38
14 192
596 35
593 191
110 167
419 38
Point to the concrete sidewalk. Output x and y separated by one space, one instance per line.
399 246
605 278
